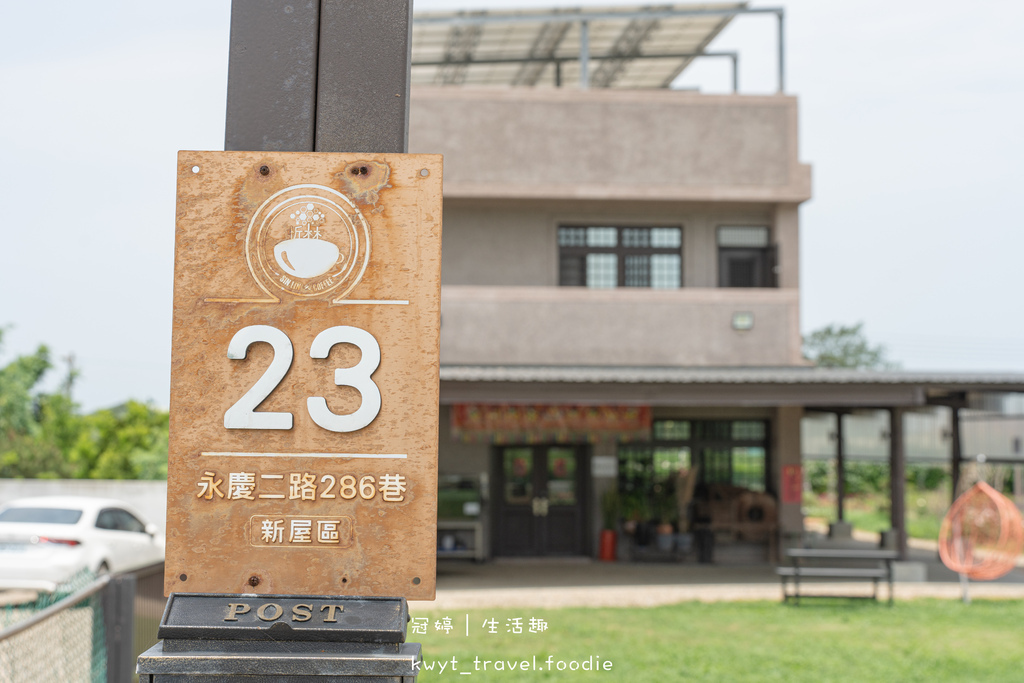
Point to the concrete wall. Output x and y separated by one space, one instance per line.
455 457
786 234
611 144
148 497
627 326
499 244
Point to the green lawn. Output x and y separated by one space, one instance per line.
923 640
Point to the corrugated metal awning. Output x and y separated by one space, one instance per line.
808 387
628 47
738 375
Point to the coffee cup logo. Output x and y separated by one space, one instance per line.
308 241
307 254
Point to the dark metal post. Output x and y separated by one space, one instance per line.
840 467
584 54
782 50
956 454
119 624
272 70
363 76
735 72
319 75
897 480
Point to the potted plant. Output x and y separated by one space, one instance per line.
610 509
686 482
666 511
628 511
636 513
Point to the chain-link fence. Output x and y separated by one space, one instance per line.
89 630
58 636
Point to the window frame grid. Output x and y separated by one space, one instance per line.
621 252
698 444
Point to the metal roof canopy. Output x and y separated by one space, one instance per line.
729 375
824 388
608 47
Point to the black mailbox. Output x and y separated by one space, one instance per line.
216 638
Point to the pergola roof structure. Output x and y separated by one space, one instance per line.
617 47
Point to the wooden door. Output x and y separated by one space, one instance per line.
539 501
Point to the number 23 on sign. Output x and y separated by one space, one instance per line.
243 415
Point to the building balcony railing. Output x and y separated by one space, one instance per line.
639 327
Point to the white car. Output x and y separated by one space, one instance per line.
44 541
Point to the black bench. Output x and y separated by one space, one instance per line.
837 565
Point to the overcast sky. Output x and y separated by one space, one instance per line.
910 114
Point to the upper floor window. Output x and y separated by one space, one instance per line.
745 257
607 257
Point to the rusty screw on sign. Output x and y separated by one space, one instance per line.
254 581
264 170
360 170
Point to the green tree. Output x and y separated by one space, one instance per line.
35 428
842 346
126 442
43 435
18 379
818 475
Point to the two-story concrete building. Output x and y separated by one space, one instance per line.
620 287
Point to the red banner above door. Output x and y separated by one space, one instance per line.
502 424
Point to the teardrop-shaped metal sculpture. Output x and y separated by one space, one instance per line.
982 534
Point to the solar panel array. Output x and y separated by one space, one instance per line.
629 47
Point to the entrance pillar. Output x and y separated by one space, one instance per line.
897 480
840 467
839 529
787 457
956 453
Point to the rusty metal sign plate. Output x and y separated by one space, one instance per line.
304 380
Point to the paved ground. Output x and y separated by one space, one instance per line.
582 583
